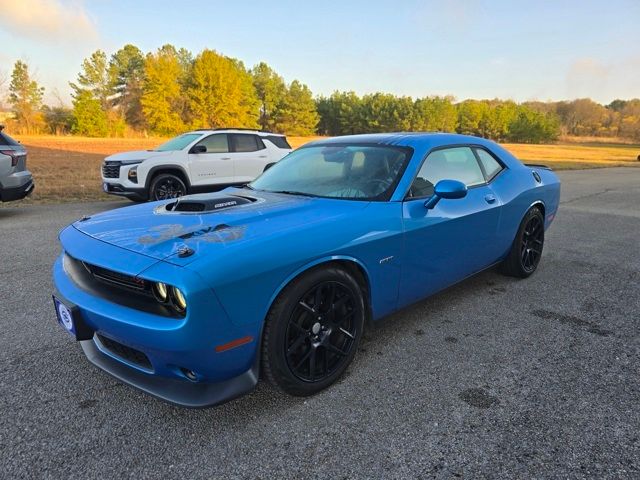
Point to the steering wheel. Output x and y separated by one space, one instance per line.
377 185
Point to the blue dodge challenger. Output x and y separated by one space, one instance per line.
190 299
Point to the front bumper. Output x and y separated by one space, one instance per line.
17 193
114 188
171 347
180 392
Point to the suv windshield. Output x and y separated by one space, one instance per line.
178 143
357 172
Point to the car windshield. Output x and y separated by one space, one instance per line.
178 143
357 172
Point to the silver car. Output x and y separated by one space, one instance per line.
16 182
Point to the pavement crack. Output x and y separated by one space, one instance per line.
589 195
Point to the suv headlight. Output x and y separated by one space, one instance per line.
133 174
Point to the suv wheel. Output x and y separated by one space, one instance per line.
166 186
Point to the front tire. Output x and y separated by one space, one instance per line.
526 250
166 186
312 331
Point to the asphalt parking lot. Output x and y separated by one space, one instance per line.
495 377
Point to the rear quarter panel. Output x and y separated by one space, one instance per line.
519 190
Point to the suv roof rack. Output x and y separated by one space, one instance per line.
236 128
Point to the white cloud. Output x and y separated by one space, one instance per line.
47 19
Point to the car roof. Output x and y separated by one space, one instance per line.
421 142
405 139
236 130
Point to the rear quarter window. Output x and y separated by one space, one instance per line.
7 140
278 141
490 165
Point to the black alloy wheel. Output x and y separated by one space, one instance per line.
532 242
167 186
321 331
526 251
313 330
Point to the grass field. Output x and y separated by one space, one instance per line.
68 168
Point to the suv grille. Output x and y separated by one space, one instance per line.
129 354
110 170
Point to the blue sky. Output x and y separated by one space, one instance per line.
524 50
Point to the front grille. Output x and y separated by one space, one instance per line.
116 278
129 354
120 288
111 170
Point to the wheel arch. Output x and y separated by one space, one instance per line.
177 170
351 264
540 204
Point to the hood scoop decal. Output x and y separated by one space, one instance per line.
207 205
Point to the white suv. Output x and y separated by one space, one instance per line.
197 161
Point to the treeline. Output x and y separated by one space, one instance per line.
170 90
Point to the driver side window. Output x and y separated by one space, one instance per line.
217 143
456 163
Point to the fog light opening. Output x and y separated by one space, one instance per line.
190 374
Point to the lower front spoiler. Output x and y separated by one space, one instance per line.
179 392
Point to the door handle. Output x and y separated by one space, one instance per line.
262 156
490 198
225 158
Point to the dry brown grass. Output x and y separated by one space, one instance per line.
68 168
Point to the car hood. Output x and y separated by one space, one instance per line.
238 216
138 155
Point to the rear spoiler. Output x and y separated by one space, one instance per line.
538 165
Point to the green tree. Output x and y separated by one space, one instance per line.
470 115
271 91
126 72
296 113
25 96
58 120
163 95
340 114
530 126
383 112
221 93
434 114
496 118
95 78
89 118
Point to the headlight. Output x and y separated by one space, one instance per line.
133 174
160 292
178 299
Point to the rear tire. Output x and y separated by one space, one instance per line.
526 250
166 186
312 331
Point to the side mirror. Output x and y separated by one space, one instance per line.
449 189
199 149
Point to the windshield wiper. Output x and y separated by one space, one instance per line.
246 185
293 192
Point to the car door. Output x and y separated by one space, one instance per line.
250 156
214 165
454 239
